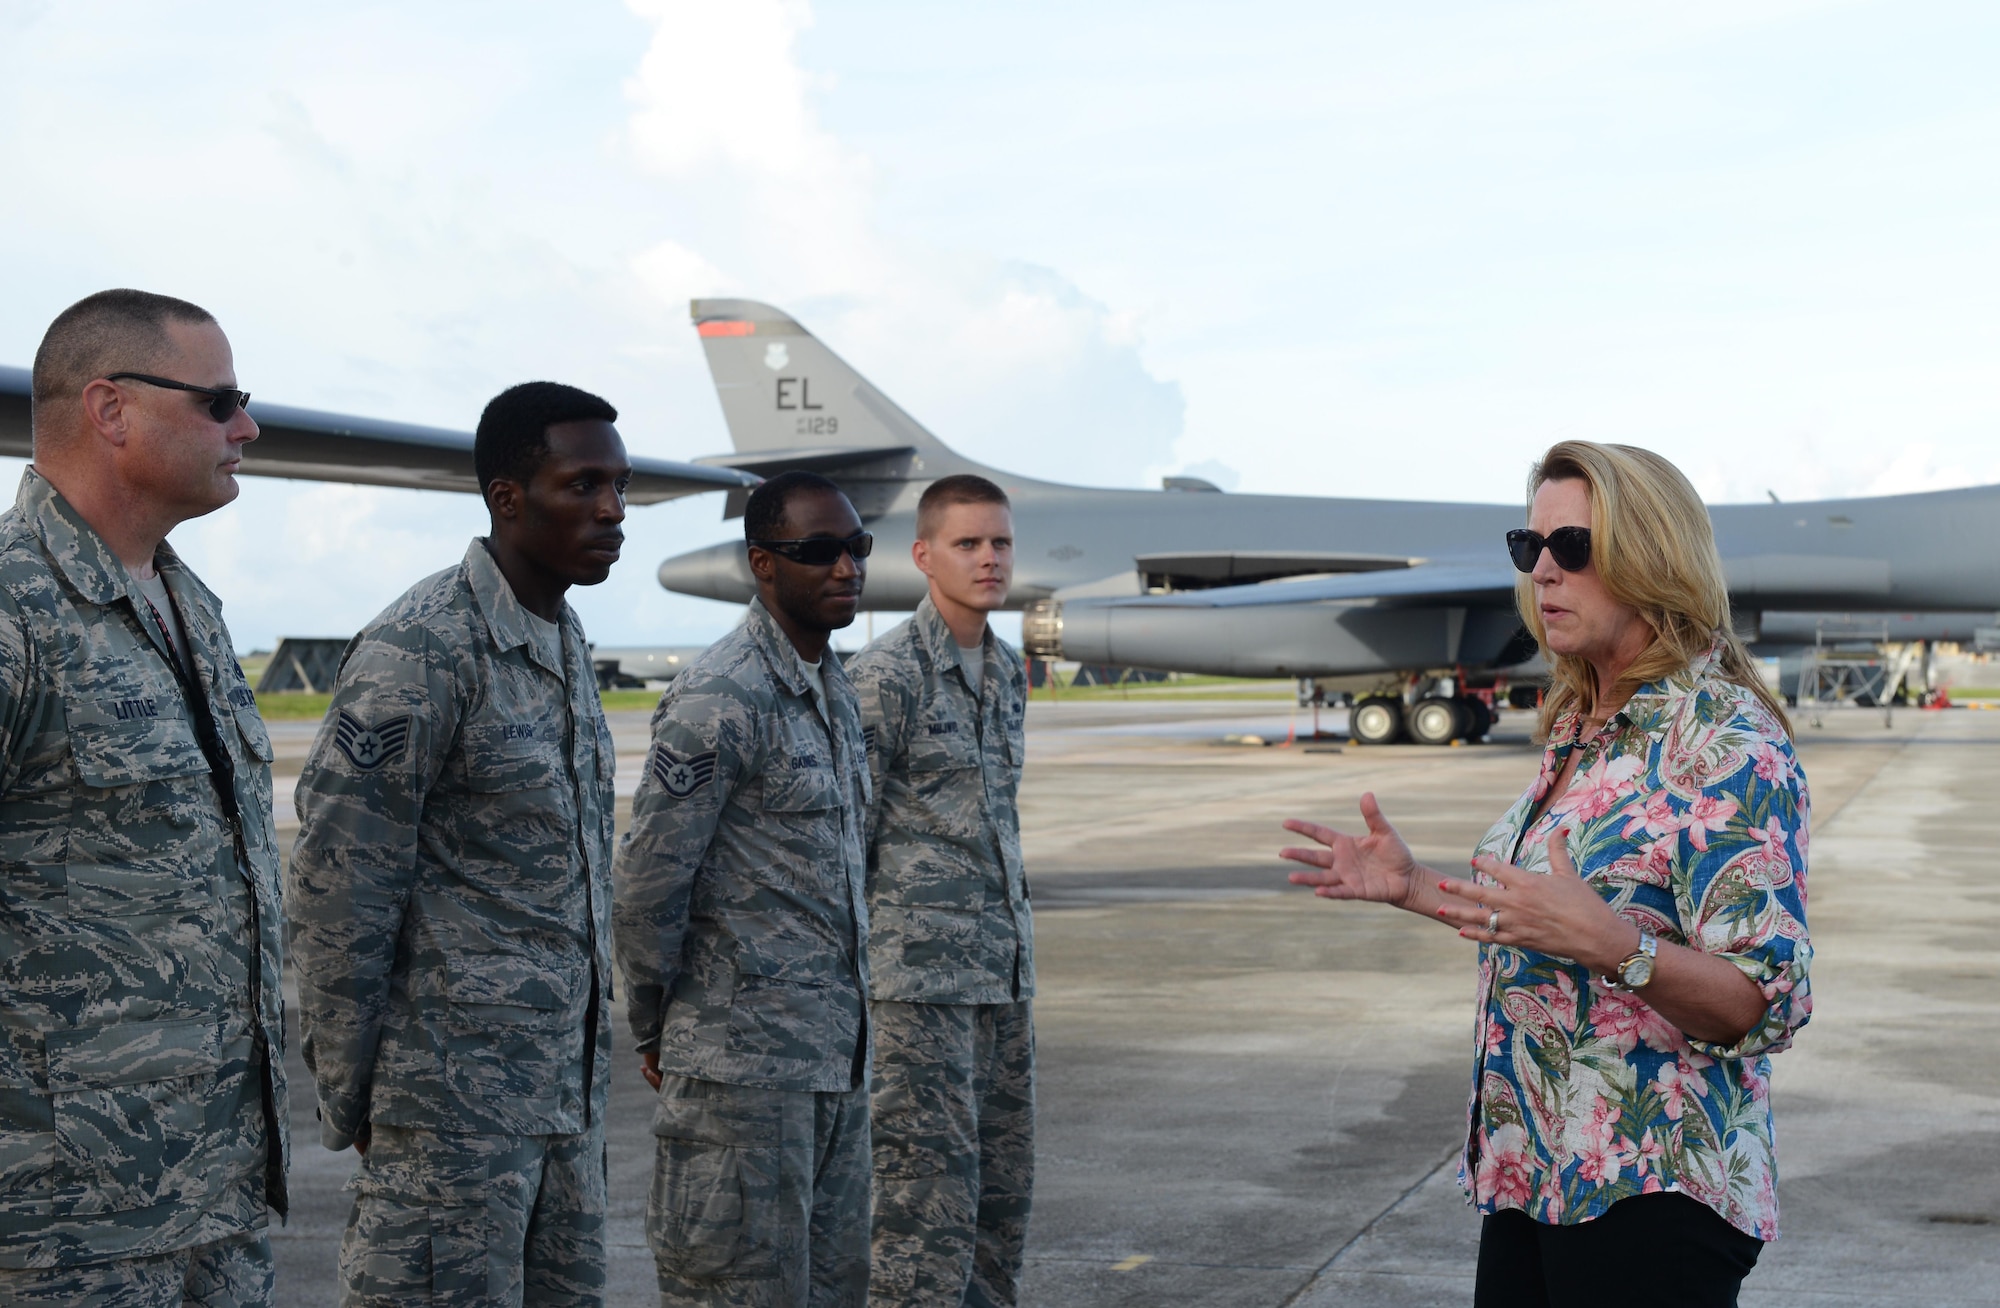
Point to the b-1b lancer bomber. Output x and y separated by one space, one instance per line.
1418 595
1411 599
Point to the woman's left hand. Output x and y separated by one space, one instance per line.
1558 914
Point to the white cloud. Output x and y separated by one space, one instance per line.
1011 363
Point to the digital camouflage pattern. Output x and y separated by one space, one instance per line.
760 1196
232 1273
476 1221
949 918
951 959
954 1143
450 888
142 1095
743 934
741 925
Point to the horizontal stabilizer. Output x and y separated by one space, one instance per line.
771 462
308 445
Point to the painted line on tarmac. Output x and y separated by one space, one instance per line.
1132 1264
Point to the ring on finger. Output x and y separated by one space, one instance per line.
1493 923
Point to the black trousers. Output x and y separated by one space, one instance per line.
1650 1251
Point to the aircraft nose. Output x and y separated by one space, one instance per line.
720 572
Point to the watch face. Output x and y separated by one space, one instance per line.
1637 972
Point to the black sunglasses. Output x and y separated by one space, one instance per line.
222 406
820 551
1568 546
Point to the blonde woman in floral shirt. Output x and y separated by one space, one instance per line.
1640 914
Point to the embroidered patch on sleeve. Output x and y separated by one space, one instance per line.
370 747
682 776
868 738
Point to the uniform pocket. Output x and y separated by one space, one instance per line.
422 1233
256 737
508 756
778 1016
935 936
144 828
513 1028
145 1112
715 1207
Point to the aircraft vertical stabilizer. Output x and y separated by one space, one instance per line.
783 392
790 402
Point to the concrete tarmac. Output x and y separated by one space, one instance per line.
1252 1097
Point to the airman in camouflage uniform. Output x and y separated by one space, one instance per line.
951 946
741 929
450 899
142 1095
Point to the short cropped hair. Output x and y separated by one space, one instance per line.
764 511
513 435
118 330
960 488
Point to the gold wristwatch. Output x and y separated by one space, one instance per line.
1636 972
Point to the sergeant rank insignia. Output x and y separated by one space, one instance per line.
681 777
366 747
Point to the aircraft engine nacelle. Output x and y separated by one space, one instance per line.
1290 640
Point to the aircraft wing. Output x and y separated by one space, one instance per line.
1426 583
309 445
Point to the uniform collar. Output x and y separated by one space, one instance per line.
74 546
939 642
782 656
510 624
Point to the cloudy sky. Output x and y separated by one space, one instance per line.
1331 247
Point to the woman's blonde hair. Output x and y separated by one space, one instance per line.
1654 549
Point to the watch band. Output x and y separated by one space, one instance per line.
1641 962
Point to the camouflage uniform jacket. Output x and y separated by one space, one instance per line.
947 896
450 889
142 1095
742 927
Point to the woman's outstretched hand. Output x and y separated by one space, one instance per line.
1377 866
1560 914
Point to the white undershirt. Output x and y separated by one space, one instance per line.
816 678
972 662
550 637
154 588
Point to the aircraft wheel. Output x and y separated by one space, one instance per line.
1480 717
1436 720
1376 720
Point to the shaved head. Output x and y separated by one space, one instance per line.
111 331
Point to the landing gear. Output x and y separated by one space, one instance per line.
1441 719
1376 720
1437 720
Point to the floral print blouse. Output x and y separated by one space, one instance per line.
1688 813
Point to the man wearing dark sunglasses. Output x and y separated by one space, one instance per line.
741 928
141 927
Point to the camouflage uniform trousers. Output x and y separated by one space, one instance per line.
231 1273
954 1132
760 1197
454 1220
